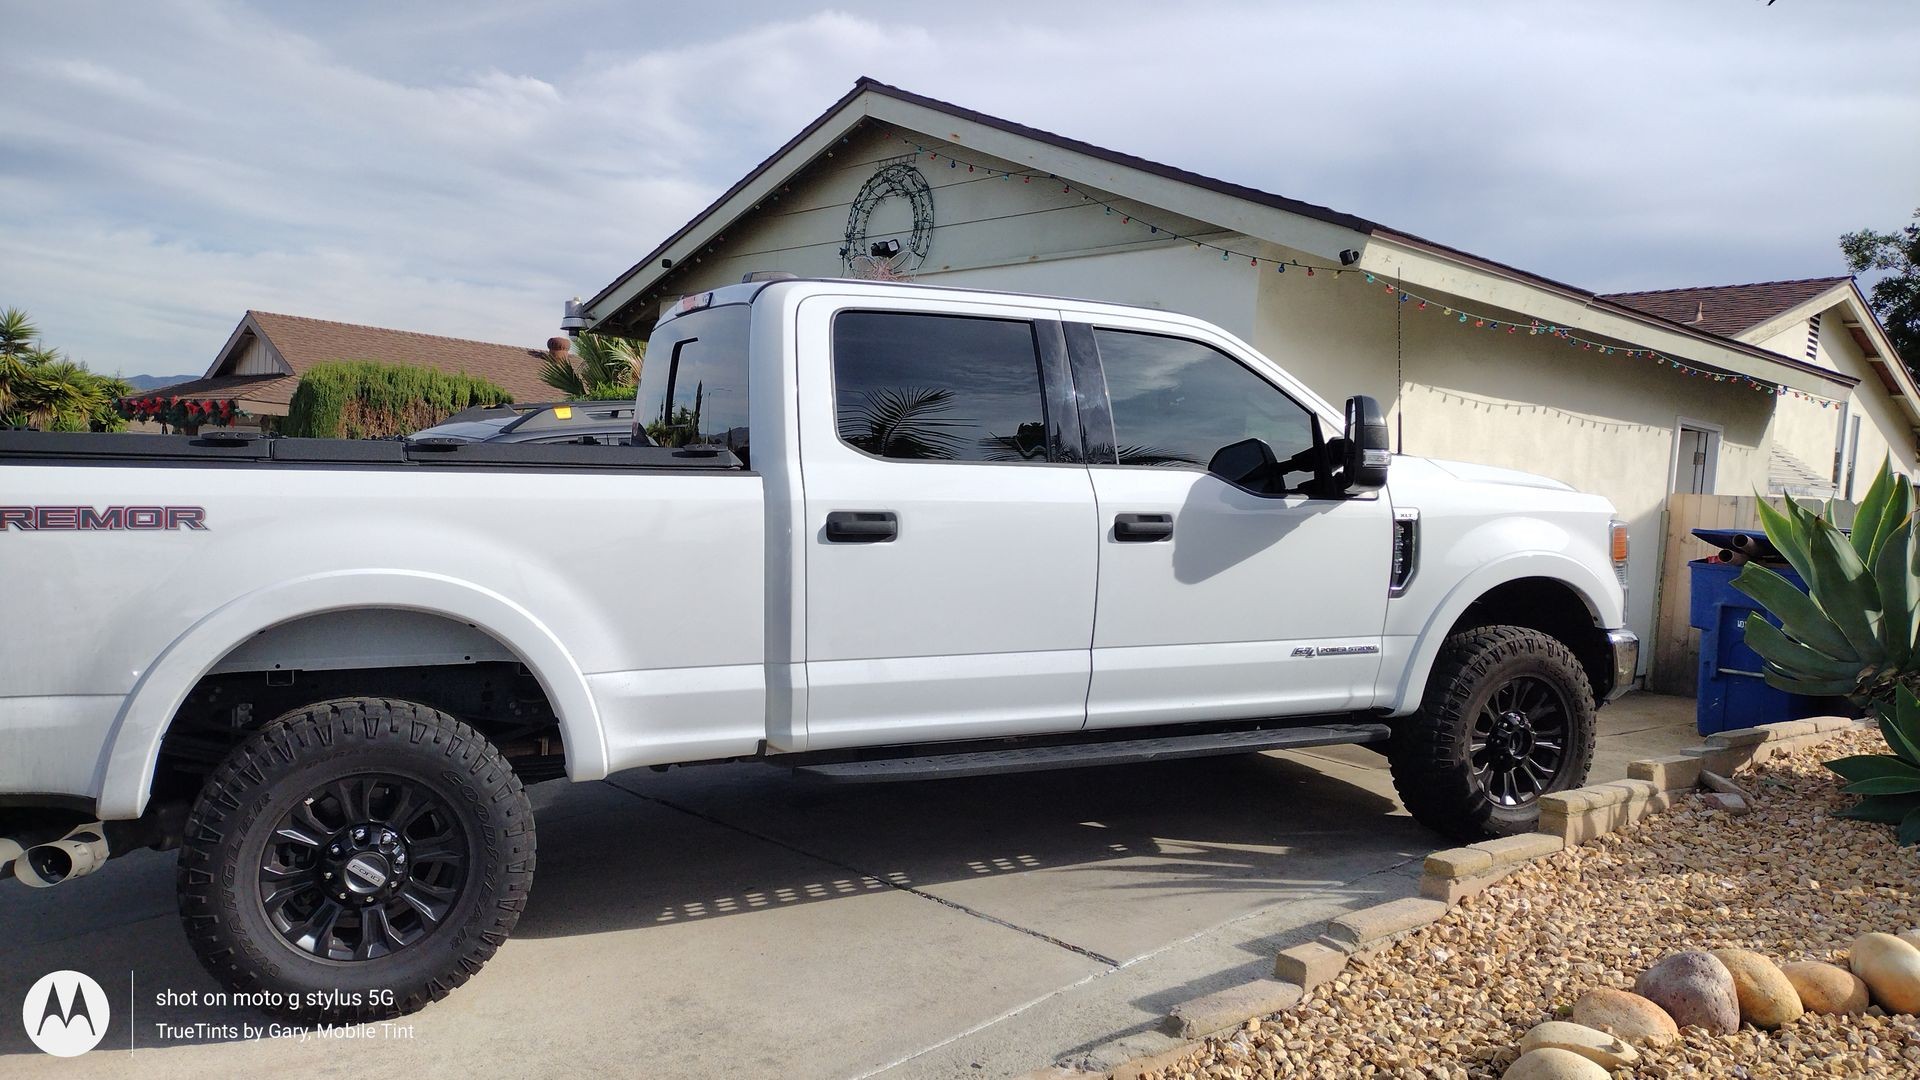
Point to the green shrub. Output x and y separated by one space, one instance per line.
363 399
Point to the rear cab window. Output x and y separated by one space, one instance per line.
693 383
917 386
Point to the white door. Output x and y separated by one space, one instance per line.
1251 605
950 555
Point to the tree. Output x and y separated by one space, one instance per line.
1896 297
608 366
41 388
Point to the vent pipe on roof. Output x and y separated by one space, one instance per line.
1699 315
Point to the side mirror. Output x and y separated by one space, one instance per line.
1367 452
1246 464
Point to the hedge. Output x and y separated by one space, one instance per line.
363 399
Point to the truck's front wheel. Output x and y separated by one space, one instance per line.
1508 716
355 860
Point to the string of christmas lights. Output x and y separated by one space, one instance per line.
1533 327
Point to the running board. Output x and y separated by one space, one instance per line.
1086 754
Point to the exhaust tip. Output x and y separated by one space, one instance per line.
49 863
46 865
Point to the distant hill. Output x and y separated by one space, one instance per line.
149 382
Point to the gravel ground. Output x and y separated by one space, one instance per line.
1789 880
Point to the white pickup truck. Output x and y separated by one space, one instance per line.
872 531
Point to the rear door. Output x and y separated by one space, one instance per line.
950 548
1214 602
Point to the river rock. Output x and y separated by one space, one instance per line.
1767 999
1599 1047
1629 1016
1890 967
1553 1063
1826 988
1696 989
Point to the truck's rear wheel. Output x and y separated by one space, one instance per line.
355 860
1508 716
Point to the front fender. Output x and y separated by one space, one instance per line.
124 777
1600 594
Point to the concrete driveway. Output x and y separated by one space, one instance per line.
736 921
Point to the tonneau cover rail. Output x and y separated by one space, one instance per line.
236 448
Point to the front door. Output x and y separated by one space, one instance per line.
950 552
1214 602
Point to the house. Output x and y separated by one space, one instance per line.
1632 396
263 359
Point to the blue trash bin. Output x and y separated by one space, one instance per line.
1732 691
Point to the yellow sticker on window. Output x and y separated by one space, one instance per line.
564 412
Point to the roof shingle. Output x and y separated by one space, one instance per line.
1726 310
304 342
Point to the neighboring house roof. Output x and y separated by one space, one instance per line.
1727 310
296 343
1220 202
267 389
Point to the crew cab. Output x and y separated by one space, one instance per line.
864 530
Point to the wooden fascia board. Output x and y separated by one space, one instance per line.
1419 267
1175 197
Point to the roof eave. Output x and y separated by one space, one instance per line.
1434 265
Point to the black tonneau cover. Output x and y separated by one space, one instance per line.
228 448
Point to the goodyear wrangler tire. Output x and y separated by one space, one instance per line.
1508 716
354 861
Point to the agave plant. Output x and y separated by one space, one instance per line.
1889 784
1852 633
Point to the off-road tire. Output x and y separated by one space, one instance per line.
1430 755
220 864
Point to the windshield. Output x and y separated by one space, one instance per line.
693 385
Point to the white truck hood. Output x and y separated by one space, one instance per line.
1493 474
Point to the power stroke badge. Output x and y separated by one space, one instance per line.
105 519
66 1013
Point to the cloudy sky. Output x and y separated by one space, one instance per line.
463 168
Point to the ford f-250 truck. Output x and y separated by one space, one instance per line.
873 531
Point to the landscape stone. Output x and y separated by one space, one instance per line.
1599 1047
1696 989
1827 989
1767 999
1552 1063
1628 1015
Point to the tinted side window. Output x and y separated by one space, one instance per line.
938 387
1176 401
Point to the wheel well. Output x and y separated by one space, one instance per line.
1554 608
451 665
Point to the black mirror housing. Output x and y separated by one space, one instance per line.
1368 451
1247 463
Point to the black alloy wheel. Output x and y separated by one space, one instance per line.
364 867
1519 743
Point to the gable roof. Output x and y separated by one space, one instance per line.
1727 310
304 342
1220 202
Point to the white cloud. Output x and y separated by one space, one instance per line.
464 169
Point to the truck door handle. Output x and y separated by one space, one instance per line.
862 527
1142 528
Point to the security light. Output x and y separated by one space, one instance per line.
885 249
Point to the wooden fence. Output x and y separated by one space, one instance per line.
1676 645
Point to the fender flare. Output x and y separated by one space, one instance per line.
1568 571
126 768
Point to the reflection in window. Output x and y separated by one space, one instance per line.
1176 402
938 387
693 387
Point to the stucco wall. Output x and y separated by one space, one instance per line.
1809 432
